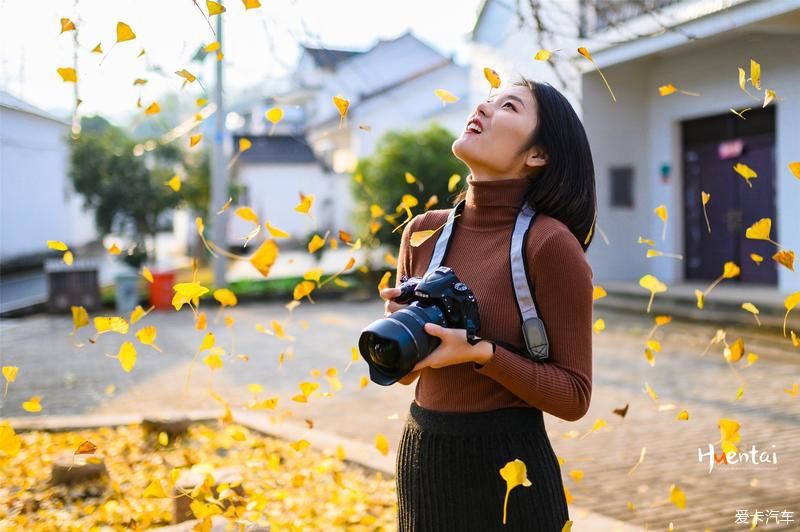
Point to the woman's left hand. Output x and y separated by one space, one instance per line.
454 349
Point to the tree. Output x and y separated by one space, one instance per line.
426 155
127 192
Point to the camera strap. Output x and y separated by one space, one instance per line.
533 329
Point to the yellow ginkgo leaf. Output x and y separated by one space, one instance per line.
492 77
33 404
80 318
652 283
542 55
147 336
147 274
704 198
789 303
384 282
759 230
124 32
666 90
749 307
316 243
225 297
585 53
755 74
446 96
194 139
137 314
515 473
784 257
683 415
661 212
154 490
208 341
274 115
115 324
734 352
729 434
213 361
794 167
214 8
746 172
677 497
244 144
419 237
769 96
153 109
66 25
57 245
68 74
306 201
341 104
599 325
382 444
247 214
300 445
97 49
452 182
174 183
730 270
598 292
758 259
10 374
303 289
127 356
251 4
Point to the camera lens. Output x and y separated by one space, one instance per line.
392 346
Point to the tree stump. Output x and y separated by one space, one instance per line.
69 468
173 426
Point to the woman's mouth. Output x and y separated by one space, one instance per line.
474 126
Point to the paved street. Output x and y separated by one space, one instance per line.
73 380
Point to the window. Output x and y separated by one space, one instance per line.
622 186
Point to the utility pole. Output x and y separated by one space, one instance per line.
218 173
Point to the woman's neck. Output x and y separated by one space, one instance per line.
493 204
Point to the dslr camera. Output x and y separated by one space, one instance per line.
392 346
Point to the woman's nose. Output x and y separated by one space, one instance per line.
482 109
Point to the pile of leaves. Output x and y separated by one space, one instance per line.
286 487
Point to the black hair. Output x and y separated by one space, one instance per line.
565 188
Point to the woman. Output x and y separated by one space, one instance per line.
478 407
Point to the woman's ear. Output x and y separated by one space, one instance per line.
536 157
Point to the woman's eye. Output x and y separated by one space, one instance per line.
510 105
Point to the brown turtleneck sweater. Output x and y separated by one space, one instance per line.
561 281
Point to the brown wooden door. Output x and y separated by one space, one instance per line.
733 206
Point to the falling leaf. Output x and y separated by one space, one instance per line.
446 96
755 74
124 32
244 144
251 4
598 292
305 203
153 109
194 139
264 257
769 95
683 415
794 167
542 55
213 360
174 183
68 74
515 473
746 172
33 404
789 303
300 445
666 90
492 77
187 293
651 392
585 53
341 104
66 25
599 325
225 297
452 182
759 230
661 212
749 307
147 336
80 318
303 289
622 412
652 283
729 434
704 198
86 447
315 243
734 352
10 374
208 341
783 257
741 113
214 8
247 214
127 356
677 497
794 391
115 324
382 444
97 49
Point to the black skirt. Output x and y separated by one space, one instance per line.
448 472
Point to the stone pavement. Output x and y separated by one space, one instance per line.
72 380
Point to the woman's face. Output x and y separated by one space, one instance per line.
495 134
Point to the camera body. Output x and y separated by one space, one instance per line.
392 346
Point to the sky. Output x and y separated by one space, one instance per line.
259 44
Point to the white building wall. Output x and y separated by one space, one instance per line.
37 202
643 128
274 191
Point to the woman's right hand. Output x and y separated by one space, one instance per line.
388 294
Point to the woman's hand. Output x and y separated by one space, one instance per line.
454 349
388 294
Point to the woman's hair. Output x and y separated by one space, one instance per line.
565 189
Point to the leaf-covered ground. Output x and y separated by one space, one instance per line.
284 488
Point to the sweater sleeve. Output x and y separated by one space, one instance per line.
562 384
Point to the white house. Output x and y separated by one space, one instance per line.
652 150
37 200
390 87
